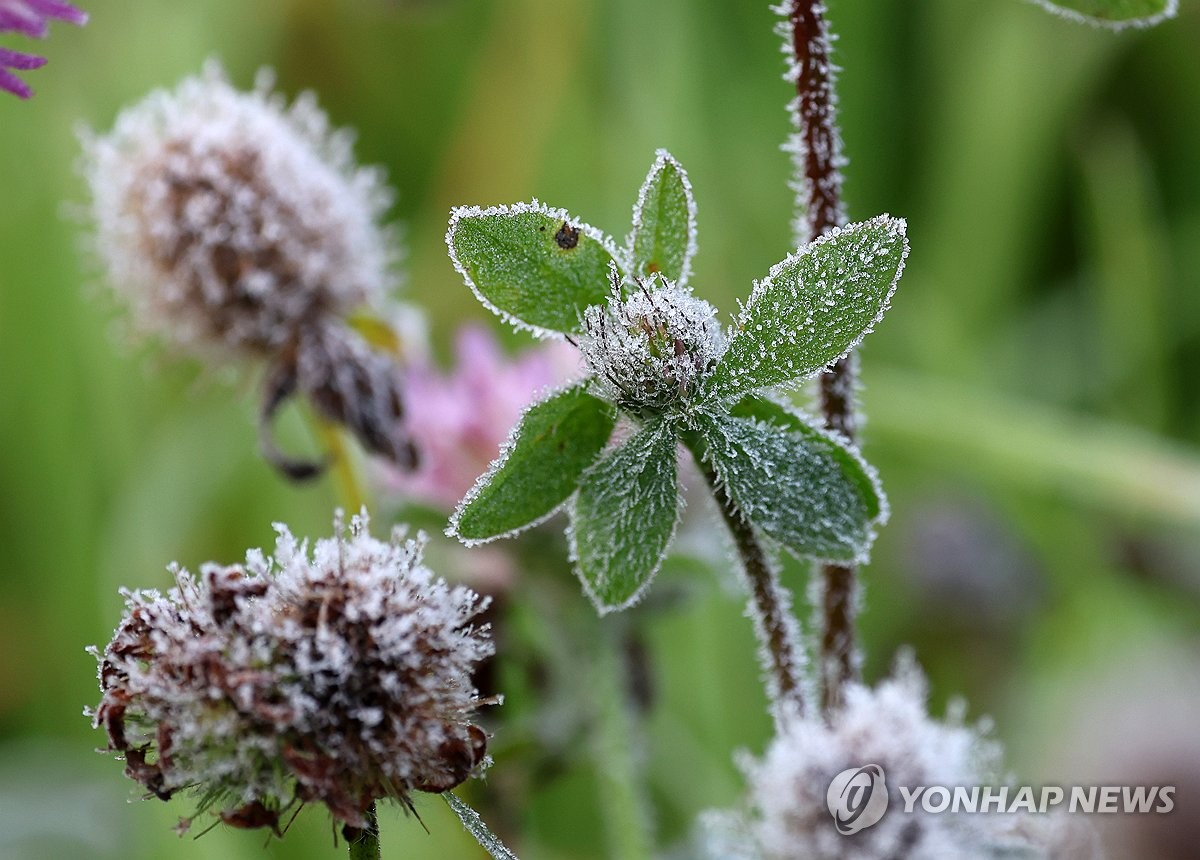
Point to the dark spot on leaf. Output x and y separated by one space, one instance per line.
652 268
567 236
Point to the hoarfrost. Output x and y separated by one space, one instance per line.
341 676
814 307
814 120
803 487
473 823
889 725
651 351
534 266
538 468
1064 9
663 238
224 218
624 517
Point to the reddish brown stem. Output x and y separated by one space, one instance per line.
819 157
816 111
773 624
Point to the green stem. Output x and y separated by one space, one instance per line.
350 492
622 797
364 841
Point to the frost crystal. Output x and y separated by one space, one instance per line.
340 675
1113 16
227 218
650 350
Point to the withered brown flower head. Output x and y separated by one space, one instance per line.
235 225
340 675
227 218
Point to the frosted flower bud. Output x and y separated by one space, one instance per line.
228 219
235 224
338 675
651 350
887 726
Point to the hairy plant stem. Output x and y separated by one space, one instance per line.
364 841
819 159
773 622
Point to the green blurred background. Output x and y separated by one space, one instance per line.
1032 396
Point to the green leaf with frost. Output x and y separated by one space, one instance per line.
538 468
624 517
1114 14
663 239
814 307
535 266
801 486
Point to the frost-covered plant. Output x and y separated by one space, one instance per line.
660 365
31 18
235 225
339 675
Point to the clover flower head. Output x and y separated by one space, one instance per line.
238 226
340 674
651 349
888 726
228 219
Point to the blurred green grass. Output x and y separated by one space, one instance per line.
1042 360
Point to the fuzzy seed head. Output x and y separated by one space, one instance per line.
227 218
340 675
650 350
889 726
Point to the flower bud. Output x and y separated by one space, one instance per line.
650 350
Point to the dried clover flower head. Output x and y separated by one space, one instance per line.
229 218
347 383
888 726
233 223
650 350
340 675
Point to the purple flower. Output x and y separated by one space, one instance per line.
13 60
458 420
32 18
